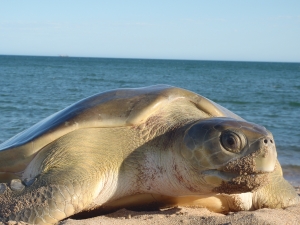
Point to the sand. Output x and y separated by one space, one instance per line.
182 215
290 215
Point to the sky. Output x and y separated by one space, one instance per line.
263 30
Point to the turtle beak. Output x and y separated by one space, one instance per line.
266 159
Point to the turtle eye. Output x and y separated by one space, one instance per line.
231 141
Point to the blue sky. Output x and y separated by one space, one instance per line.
264 30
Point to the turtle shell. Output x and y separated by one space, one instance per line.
120 107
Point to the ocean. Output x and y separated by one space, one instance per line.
266 93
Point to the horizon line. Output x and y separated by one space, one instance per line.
102 57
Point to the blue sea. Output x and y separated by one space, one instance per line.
32 88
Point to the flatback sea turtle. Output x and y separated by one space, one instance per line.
158 146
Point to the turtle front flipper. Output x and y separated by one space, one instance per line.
60 181
41 203
277 194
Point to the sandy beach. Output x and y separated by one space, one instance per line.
290 216
182 215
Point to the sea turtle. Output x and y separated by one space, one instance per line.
157 146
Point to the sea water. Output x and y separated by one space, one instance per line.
32 88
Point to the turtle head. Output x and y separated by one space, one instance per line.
229 155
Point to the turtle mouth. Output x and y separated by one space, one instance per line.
231 182
217 177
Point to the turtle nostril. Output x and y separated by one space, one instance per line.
266 141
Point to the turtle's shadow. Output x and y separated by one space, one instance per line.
127 213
